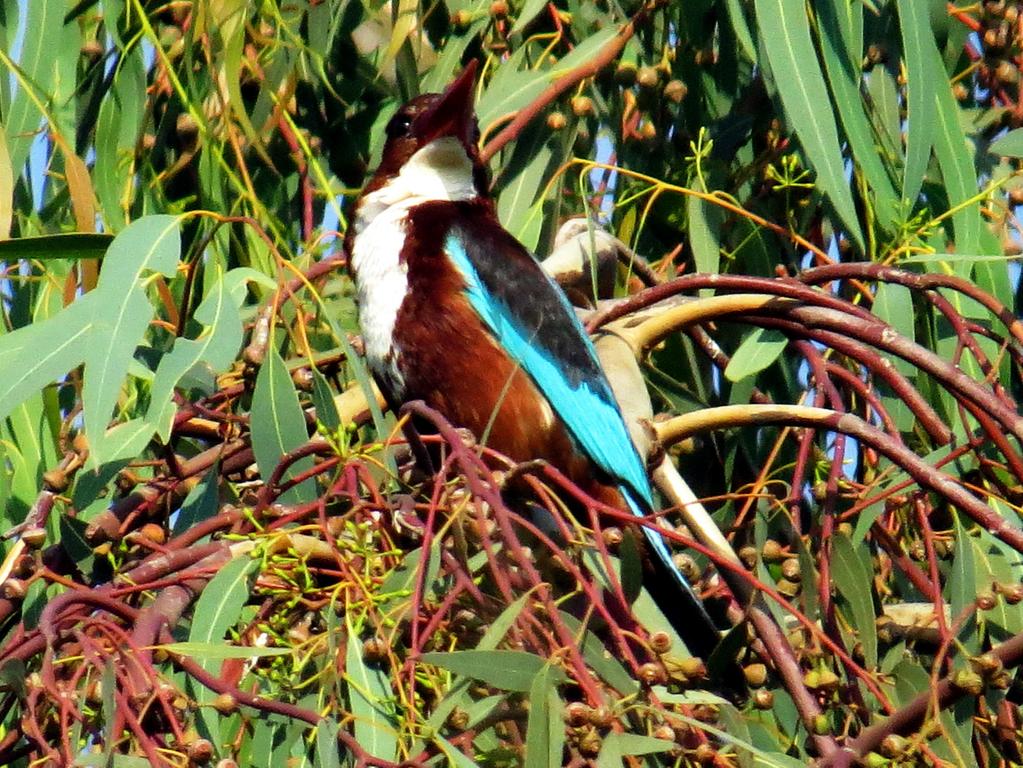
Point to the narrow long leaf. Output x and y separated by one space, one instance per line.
74 246
218 606
121 314
704 235
37 354
216 611
525 175
35 79
278 426
894 304
507 670
369 689
915 26
220 651
854 578
757 351
327 752
955 161
844 76
799 81
1008 145
545 732
530 10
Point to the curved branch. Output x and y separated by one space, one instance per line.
727 416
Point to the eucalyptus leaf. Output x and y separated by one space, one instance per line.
758 350
800 84
369 695
279 427
507 670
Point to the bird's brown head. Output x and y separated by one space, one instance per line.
430 154
427 118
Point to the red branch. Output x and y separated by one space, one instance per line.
566 82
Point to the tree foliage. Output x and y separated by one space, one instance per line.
800 219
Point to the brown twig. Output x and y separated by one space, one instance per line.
561 85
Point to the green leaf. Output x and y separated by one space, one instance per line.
6 189
36 598
121 314
631 565
741 30
229 22
844 75
625 744
911 680
784 28
704 235
451 55
219 651
327 752
117 131
756 352
997 563
397 588
76 246
216 611
776 760
74 542
885 114
523 178
954 158
499 627
269 745
921 83
689 698
37 70
506 670
894 304
214 349
954 258
371 700
545 731
13 674
962 582
530 10
607 667
457 696
37 354
585 50
454 755
221 601
210 353
511 89
201 502
278 426
323 402
854 579
108 690
33 450
1009 145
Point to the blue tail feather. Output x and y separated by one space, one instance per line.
677 599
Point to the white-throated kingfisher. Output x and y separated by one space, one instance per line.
457 313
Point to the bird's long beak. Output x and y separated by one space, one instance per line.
452 114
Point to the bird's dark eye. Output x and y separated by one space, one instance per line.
399 126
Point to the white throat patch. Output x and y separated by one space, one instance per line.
439 171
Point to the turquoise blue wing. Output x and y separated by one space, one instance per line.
531 319
533 322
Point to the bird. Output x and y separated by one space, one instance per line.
457 313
